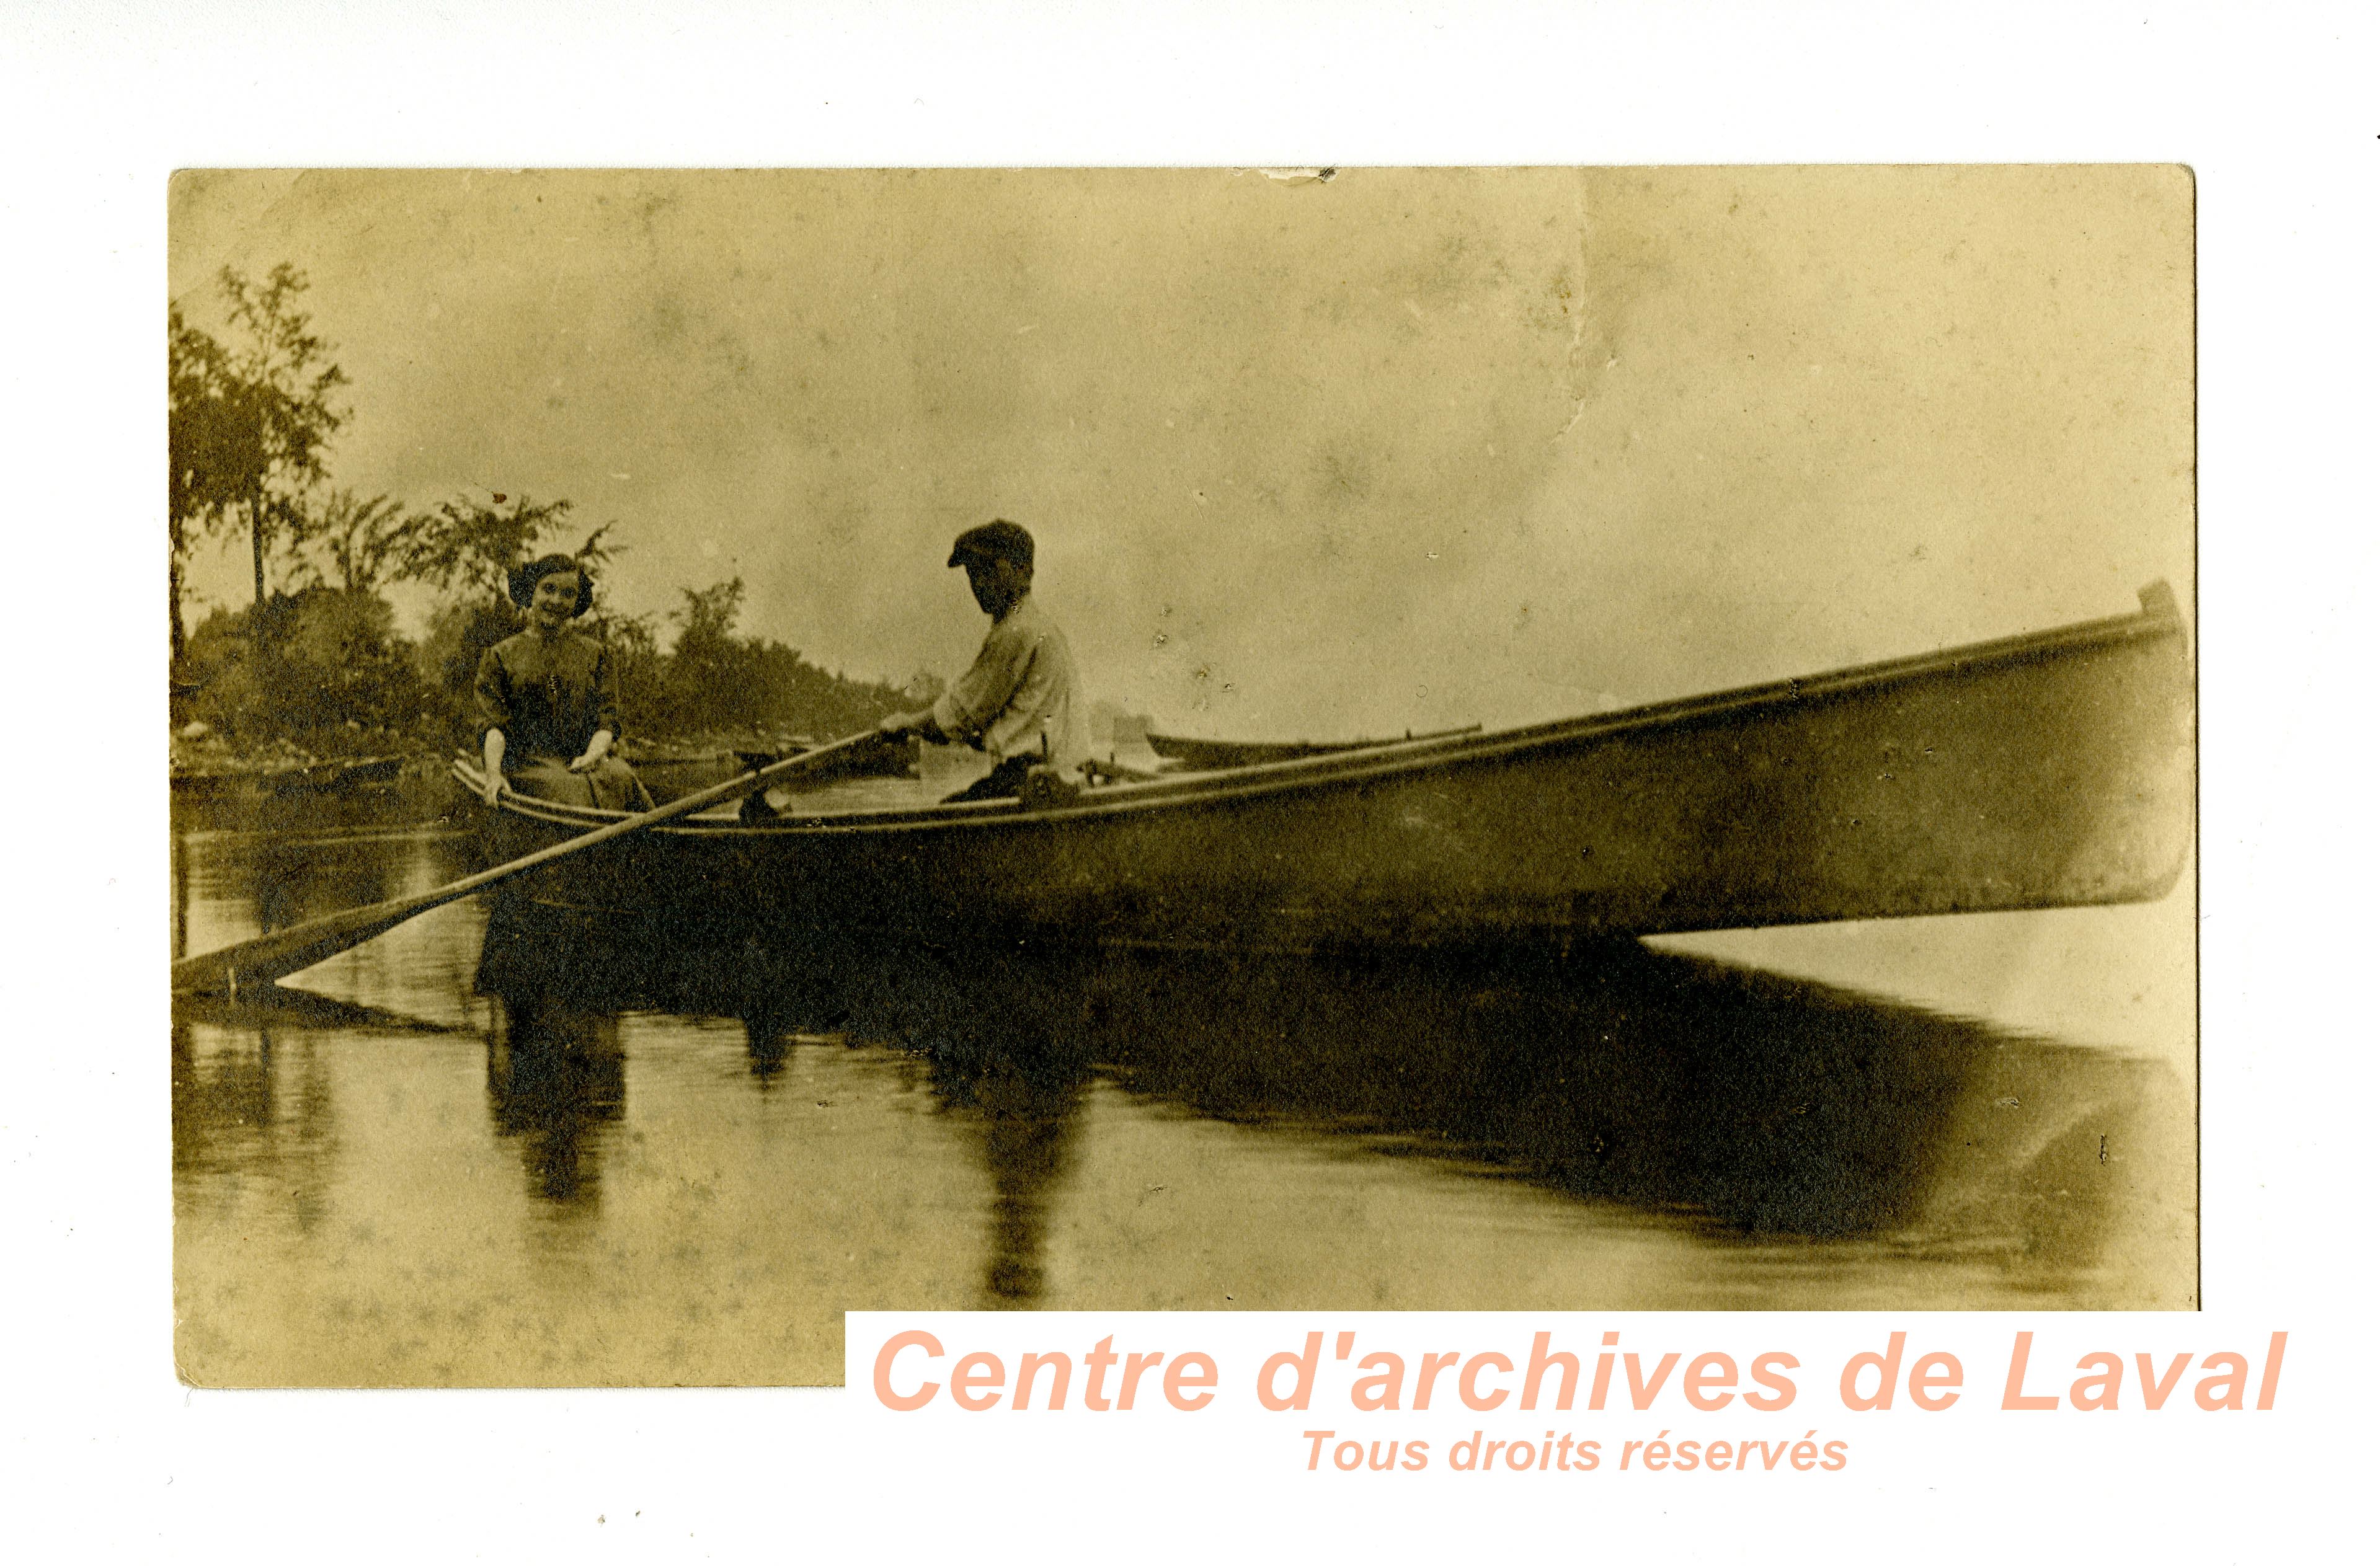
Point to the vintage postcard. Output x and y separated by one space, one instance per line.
1202 739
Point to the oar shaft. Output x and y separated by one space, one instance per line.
717 794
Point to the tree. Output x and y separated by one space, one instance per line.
465 546
247 424
706 637
206 473
707 683
718 682
637 654
367 539
276 387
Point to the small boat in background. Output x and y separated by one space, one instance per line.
331 777
289 781
1213 754
2051 770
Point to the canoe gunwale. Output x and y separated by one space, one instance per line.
2157 620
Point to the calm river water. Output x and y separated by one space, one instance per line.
601 1169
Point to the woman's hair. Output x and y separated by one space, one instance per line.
525 578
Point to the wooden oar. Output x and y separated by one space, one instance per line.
284 951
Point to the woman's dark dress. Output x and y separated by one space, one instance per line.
549 696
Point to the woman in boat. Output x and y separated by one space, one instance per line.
550 698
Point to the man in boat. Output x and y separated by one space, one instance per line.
1017 703
550 698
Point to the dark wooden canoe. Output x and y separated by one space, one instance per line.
1214 755
2043 770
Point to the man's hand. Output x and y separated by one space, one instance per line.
901 725
493 786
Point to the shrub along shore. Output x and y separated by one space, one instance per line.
323 675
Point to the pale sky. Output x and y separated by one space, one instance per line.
1399 449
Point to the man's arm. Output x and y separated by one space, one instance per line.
900 725
965 709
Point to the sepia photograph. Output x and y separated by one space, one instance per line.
751 745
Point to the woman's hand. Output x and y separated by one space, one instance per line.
491 766
598 747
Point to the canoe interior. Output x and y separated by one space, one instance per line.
2047 770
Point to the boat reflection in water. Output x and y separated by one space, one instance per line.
492 1148
1769 1109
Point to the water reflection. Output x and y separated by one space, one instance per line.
767 1042
257 863
998 1064
556 1078
695 1156
246 1111
981 1022
221 1098
1774 1108
1022 1107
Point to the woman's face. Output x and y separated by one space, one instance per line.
554 598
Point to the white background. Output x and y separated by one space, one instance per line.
107 1456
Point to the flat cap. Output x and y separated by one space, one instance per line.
996 540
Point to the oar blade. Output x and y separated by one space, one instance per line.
282 953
